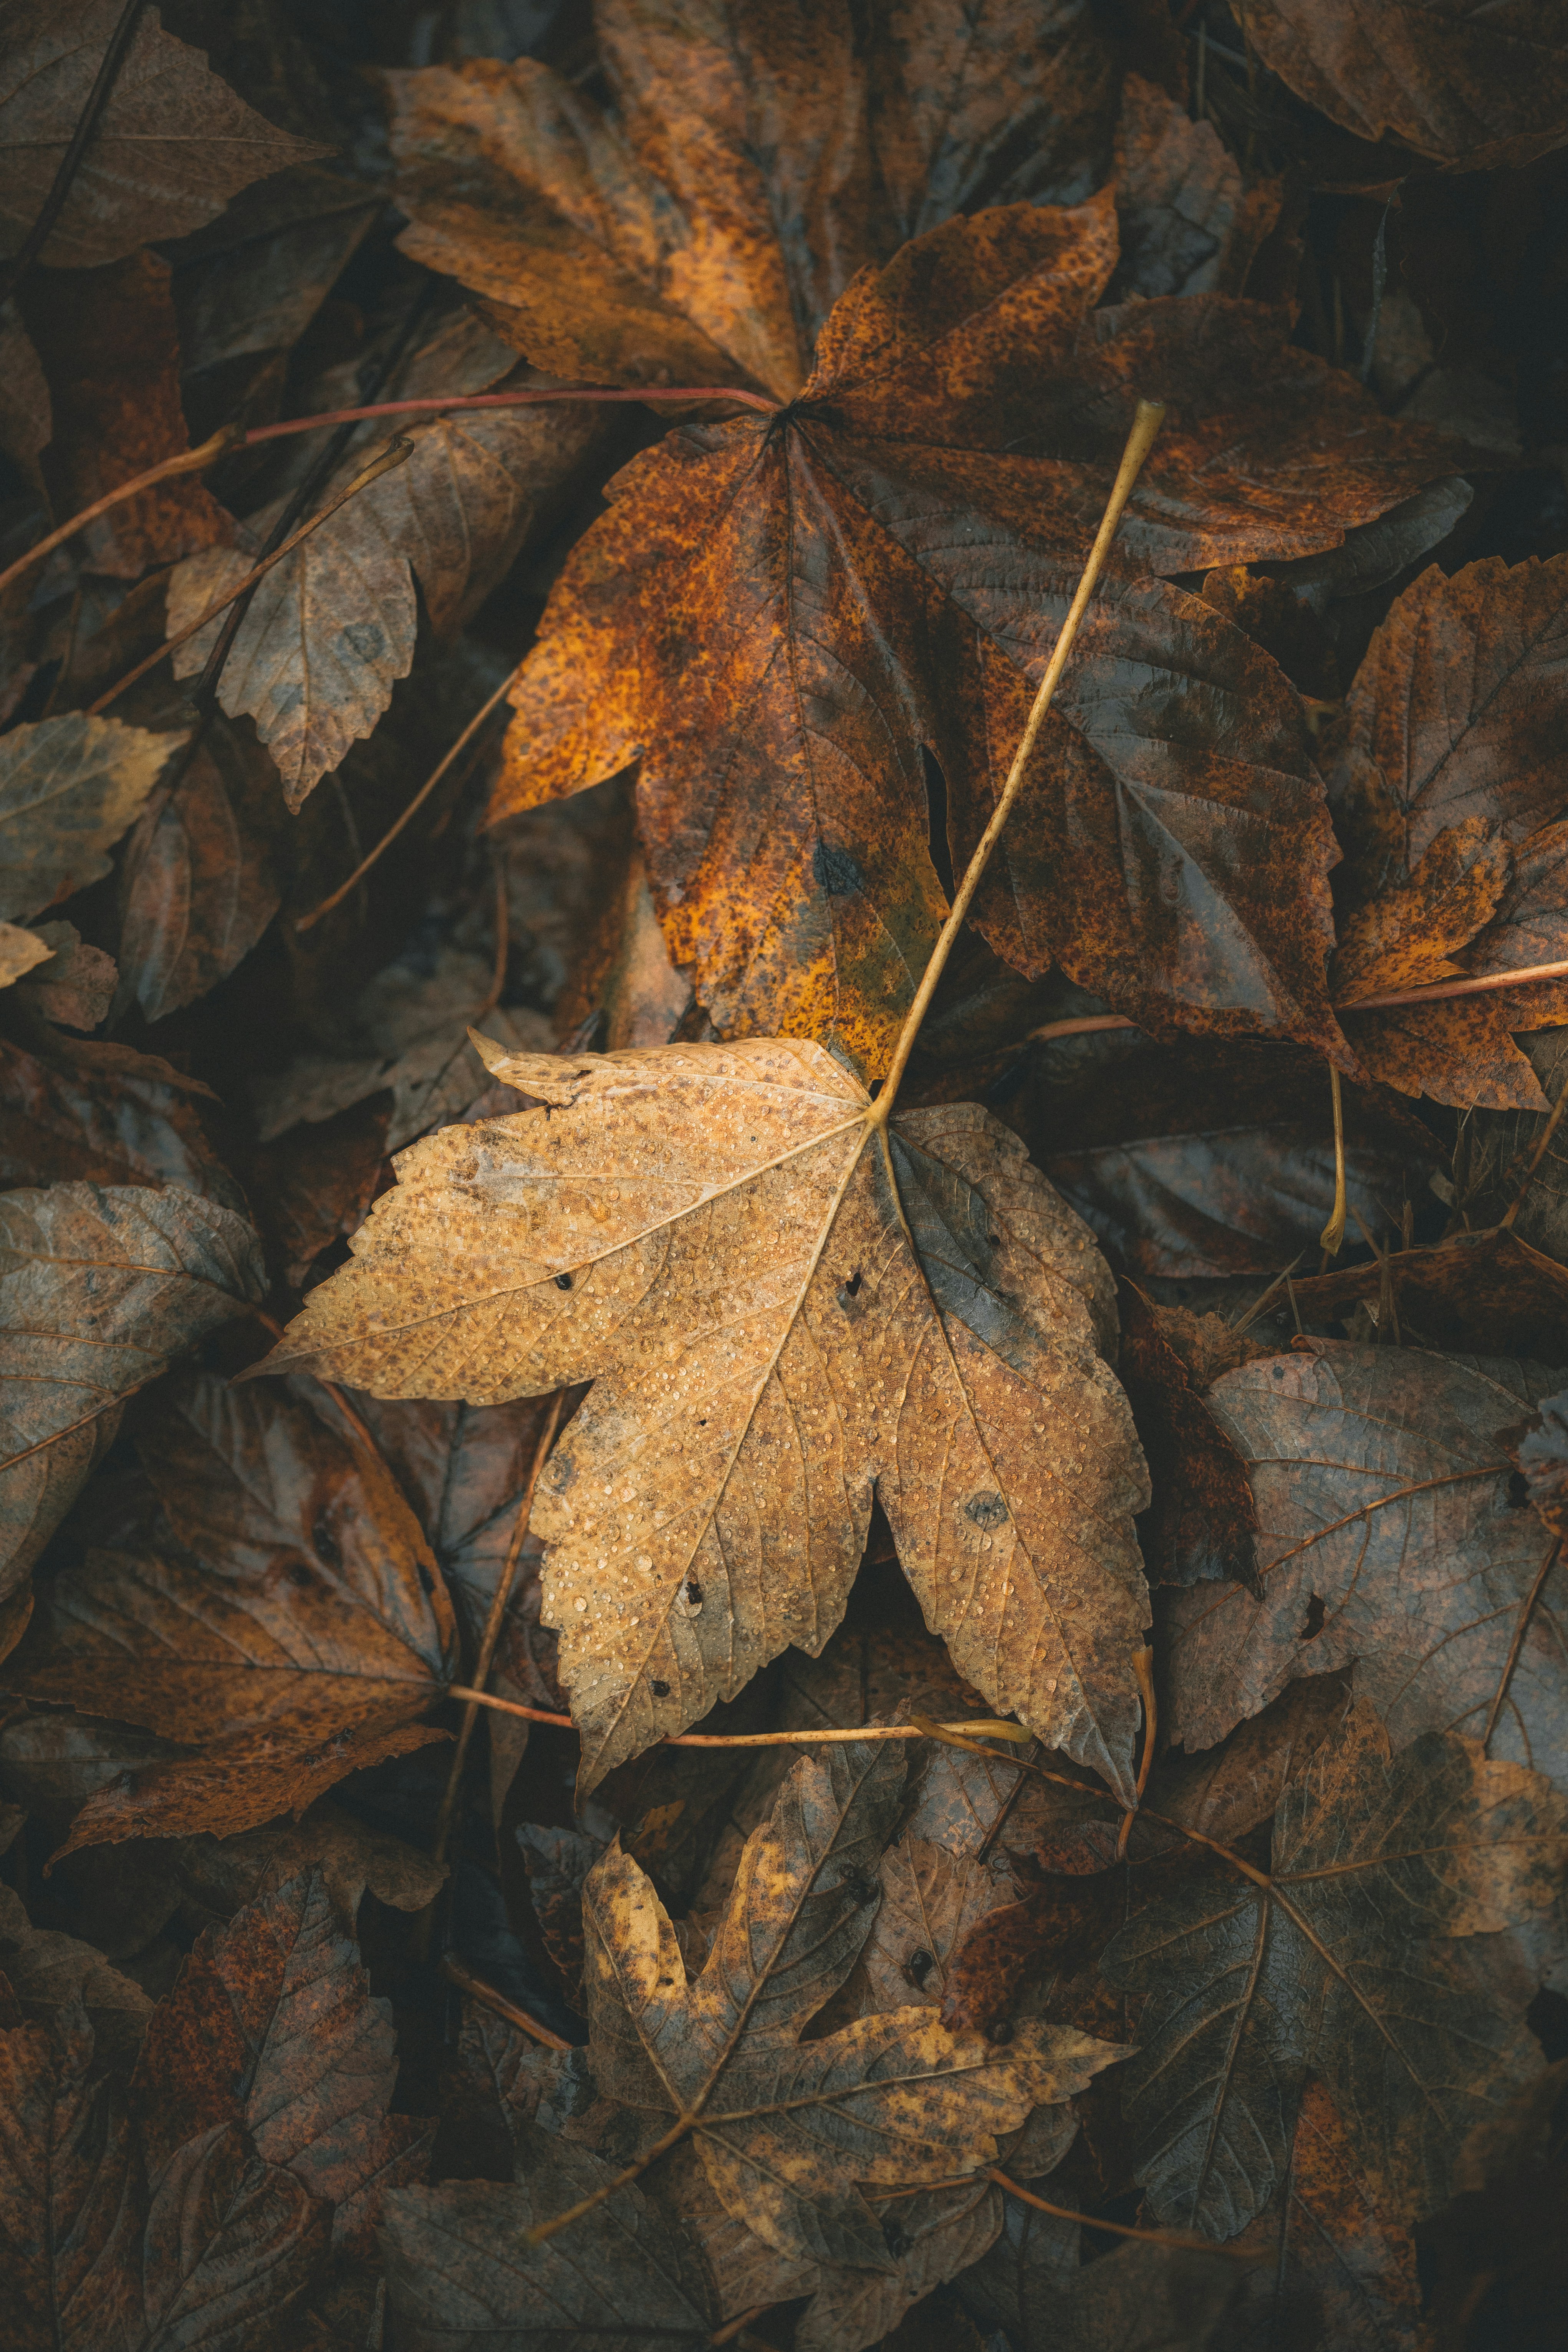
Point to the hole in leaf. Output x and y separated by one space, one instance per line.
1518 1490
1314 1625
659 1690
562 1282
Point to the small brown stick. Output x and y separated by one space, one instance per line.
1127 2229
491 1635
396 453
734 2328
82 139
1333 1233
1517 1645
488 1998
336 898
193 461
1538 1155
1143 1667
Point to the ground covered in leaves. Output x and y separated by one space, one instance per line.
464 874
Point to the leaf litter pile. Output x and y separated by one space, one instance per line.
783 1248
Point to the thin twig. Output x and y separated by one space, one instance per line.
488 1998
919 1729
1126 2228
491 1633
192 461
82 138
420 797
396 453
1147 420
1434 992
734 2328
1517 1645
1333 1233
233 436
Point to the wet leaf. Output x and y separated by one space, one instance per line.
101 1289
909 549
1340 1963
69 789
929 1356
174 143
1389 1537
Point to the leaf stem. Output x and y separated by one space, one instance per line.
70 162
845 1736
396 453
488 1998
1333 1238
1127 2229
1432 993
1146 423
1143 1667
491 1633
543 2230
190 461
1538 1155
306 922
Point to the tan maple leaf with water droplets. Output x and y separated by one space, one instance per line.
788 1306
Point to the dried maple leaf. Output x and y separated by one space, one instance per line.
1387 1535
99 1290
1338 1961
110 348
69 788
910 531
1473 87
702 231
460 2271
270 2026
292 1629
172 145
783 1305
330 627
789 2131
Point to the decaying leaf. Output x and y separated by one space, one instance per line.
296 1619
47 1971
331 627
1388 1536
1186 226
782 1310
70 982
69 788
754 160
99 1290
272 2027
1338 1961
1475 1292
174 144
1032 2288
1473 87
86 1110
911 530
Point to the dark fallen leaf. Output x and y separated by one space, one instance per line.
226 1873
1542 1454
83 1110
100 1291
1341 1963
76 985
1389 1537
1474 1293
1494 2254
461 2275
272 2027
110 349
1282 622
312 1185
1201 1521
1216 1163
172 145
1031 2289
69 789
1186 224
1473 89
47 1971
564 219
